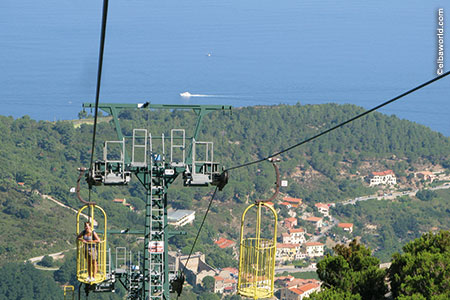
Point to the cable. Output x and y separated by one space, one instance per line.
200 229
99 79
341 124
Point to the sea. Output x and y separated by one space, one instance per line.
234 52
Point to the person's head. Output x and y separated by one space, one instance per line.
87 226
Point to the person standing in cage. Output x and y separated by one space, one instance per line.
90 238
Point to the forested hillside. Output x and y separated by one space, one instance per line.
43 157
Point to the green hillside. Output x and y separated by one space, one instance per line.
44 156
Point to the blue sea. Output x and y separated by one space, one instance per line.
237 52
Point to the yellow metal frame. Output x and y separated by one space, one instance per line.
84 261
69 289
257 259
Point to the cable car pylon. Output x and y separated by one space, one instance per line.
257 253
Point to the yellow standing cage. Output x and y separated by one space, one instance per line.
69 292
91 255
257 257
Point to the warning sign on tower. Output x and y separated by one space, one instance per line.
156 246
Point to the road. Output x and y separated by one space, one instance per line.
392 196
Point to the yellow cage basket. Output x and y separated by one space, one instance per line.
91 255
69 292
257 258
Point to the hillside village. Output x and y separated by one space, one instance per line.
306 234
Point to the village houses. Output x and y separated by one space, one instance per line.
294 236
324 209
346 226
386 177
314 249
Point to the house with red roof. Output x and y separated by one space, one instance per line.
300 292
294 236
290 222
224 243
316 220
285 252
346 226
324 209
314 249
386 177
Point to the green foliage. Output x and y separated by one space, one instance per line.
47 261
422 271
208 296
208 283
426 195
22 281
397 221
353 270
333 294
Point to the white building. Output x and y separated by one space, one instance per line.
180 217
324 209
300 292
314 249
385 177
294 236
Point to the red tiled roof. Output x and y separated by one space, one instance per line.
345 225
296 230
231 270
118 200
292 219
280 245
218 278
308 287
314 219
285 234
384 173
296 290
285 203
322 205
314 244
224 243
293 200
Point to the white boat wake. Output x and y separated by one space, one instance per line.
189 95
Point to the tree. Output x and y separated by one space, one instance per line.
333 294
208 296
423 268
208 283
354 270
47 261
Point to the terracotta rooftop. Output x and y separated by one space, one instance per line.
384 173
296 290
314 244
322 205
224 243
218 278
345 225
308 286
291 219
314 219
296 230
293 200
280 245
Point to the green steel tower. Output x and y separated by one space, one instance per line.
156 170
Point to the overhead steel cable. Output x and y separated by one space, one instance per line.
99 80
200 229
341 124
